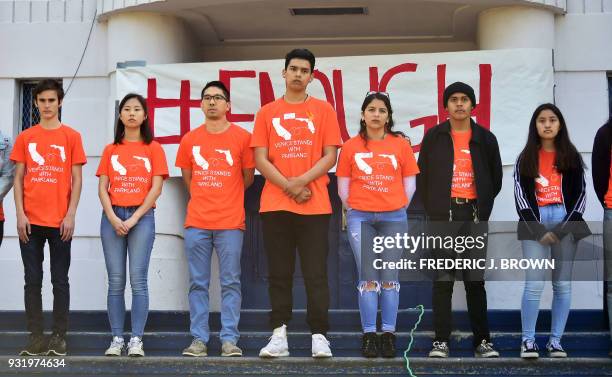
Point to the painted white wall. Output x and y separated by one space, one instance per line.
89 107
516 27
580 92
259 52
581 60
153 37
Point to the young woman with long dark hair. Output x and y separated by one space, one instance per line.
376 180
132 170
550 197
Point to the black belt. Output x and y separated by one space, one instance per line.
463 201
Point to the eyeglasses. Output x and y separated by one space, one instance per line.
376 92
216 97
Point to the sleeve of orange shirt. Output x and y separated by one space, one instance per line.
260 137
248 156
344 162
103 167
78 153
182 155
18 153
409 167
332 128
160 165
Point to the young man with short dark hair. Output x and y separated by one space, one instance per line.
461 174
217 165
48 175
296 139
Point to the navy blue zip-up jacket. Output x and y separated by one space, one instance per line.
573 190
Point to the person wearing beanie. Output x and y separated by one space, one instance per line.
461 174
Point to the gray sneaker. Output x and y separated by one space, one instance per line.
555 350
229 349
116 347
196 349
439 349
135 347
485 349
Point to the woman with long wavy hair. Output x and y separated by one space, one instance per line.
376 180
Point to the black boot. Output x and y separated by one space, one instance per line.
387 344
36 346
369 344
57 345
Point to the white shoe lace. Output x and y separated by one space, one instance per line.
530 344
439 345
319 341
275 341
486 346
135 342
555 344
117 342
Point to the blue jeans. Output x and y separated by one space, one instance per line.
362 228
563 255
607 235
199 245
137 245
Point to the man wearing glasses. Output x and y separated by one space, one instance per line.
217 165
296 139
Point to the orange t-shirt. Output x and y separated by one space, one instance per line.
48 156
377 172
217 184
608 197
463 185
130 168
548 184
295 135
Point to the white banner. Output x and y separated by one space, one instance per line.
509 85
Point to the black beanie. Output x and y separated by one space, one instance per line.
459 87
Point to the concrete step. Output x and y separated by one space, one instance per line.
577 344
339 320
303 366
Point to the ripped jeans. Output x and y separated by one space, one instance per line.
363 227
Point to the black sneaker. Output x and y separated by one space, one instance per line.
555 350
529 350
485 349
57 345
369 345
387 345
439 349
37 346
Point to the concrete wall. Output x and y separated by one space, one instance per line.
580 40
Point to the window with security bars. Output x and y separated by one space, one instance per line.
29 112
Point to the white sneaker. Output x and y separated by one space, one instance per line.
116 347
277 346
320 346
135 347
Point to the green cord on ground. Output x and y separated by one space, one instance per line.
422 309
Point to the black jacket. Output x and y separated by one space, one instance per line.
573 191
600 159
436 160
